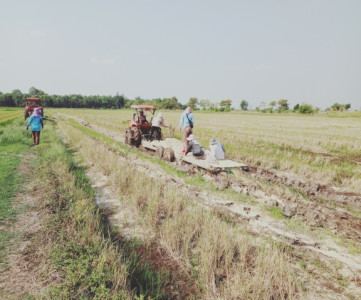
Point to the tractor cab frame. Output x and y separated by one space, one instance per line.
139 127
30 105
140 119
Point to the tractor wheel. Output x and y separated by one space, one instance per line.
168 155
137 137
127 140
160 151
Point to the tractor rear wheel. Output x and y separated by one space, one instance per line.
168 155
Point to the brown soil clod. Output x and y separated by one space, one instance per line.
168 155
160 151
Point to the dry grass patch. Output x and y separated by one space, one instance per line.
222 260
323 147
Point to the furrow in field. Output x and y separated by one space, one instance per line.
257 221
315 210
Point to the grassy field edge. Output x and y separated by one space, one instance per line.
92 257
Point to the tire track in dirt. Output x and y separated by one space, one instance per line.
251 215
314 205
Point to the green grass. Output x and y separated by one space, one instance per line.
12 143
8 182
7 122
93 259
275 212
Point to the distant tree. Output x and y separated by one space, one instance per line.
138 100
257 108
119 101
225 103
305 109
337 107
6 100
272 104
347 106
16 92
244 105
205 104
47 101
168 103
18 97
213 105
34 92
192 103
262 105
282 105
296 107
316 110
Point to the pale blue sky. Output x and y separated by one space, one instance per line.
304 51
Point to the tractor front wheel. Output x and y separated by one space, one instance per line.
137 137
133 137
127 137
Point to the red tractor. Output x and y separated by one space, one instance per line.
139 127
30 105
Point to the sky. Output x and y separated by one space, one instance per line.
262 50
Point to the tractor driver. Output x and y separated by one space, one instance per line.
156 124
142 117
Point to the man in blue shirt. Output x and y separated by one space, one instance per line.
186 124
36 122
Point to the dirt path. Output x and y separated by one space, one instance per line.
27 271
333 257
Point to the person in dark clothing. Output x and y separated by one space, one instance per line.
194 147
142 117
157 123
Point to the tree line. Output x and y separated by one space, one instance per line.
303 108
17 99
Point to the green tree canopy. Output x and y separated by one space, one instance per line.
273 103
305 109
225 103
192 103
282 105
244 105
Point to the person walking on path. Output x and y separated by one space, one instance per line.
37 124
186 124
